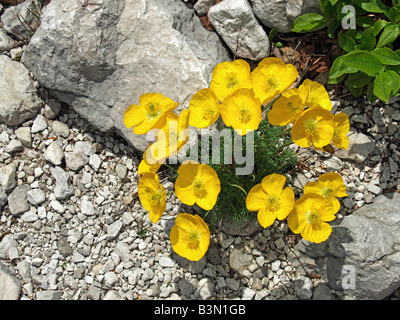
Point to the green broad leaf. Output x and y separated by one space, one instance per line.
272 34
368 40
389 35
346 42
337 80
387 56
379 25
339 70
365 22
375 6
309 22
393 15
382 89
333 26
370 93
395 81
363 61
333 2
358 80
357 92
328 9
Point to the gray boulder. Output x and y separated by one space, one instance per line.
101 57
362 255
280 14
21 20
18 98
6 43
10 288
360 147
235 22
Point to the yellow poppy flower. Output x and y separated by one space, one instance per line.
287 108
317 96
151 109
314 126
341 129
152 195
197 183
145 166
204 109
170 138
270 200
241 111
230 76
272 77
310 216
329 185
190 236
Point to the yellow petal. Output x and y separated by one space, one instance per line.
190 236
256 198
272 77
317 95
316 232
286 203
204 109
341 129
134 115
273 183
242 111
230 76
265 217
296 221
184 191
287 108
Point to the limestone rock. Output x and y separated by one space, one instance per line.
280 14
235 22
10 288
100 58
361 257
18 100
20 21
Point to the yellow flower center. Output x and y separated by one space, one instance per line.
311 127
231 79
152 110
327 192
199 188
312 217
193 239
209 112
273 84
244 114
274 202
154 198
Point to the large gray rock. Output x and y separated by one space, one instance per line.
18 100
6 43
280 14
101 57
235 22
10 288
360 147
8 179
362 255
21 20
64 188
17 200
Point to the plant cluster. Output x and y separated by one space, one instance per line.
368 33
238 98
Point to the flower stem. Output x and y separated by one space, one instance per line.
239 187
168 166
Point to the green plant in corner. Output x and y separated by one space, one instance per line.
368 30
